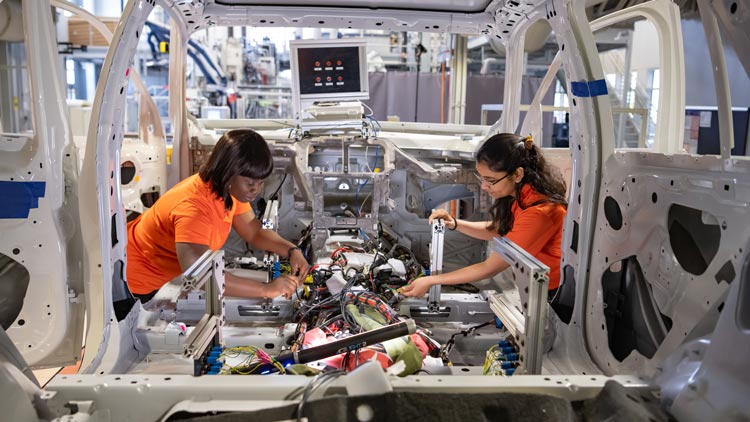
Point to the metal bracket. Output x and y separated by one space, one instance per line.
270 222
196 275
526 324
271 216
207 271
436 263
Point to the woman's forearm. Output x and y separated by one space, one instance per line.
269 240
242 287
475 229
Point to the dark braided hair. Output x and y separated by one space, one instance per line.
506 152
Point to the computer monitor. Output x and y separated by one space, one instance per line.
328 70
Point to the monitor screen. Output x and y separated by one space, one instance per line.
328 70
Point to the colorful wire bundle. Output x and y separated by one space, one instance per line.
254 357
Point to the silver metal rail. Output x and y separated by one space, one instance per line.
436 263
526 323
207 272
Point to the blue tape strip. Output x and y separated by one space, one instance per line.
589 89
20 197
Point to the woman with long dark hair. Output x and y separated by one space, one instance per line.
197 214
529 208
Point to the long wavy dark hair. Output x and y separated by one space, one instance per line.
506 152
239 152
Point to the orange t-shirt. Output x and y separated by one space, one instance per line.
190 213
538 230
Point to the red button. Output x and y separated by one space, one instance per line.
328 79
328 63
340 78
317 79
317 64
338 63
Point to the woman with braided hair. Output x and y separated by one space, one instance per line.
529 208
197 214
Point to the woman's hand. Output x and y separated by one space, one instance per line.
299 264
418 287
439 214
283 285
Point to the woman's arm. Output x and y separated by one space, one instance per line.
241 287
188 253
475 229
249 229
489 267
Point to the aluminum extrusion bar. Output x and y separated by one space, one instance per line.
436 263
271 216
270 221
529 273
209 267
200 338
509 314
193 275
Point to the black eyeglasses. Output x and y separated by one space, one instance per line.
489 182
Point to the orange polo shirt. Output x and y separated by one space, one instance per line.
190 213
538 230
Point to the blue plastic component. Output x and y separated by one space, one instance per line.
499 324
426 271
503 343
217 348
507 349
212 360
215 353
510 357
507 365
276 273
589 89
20 197
510 371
